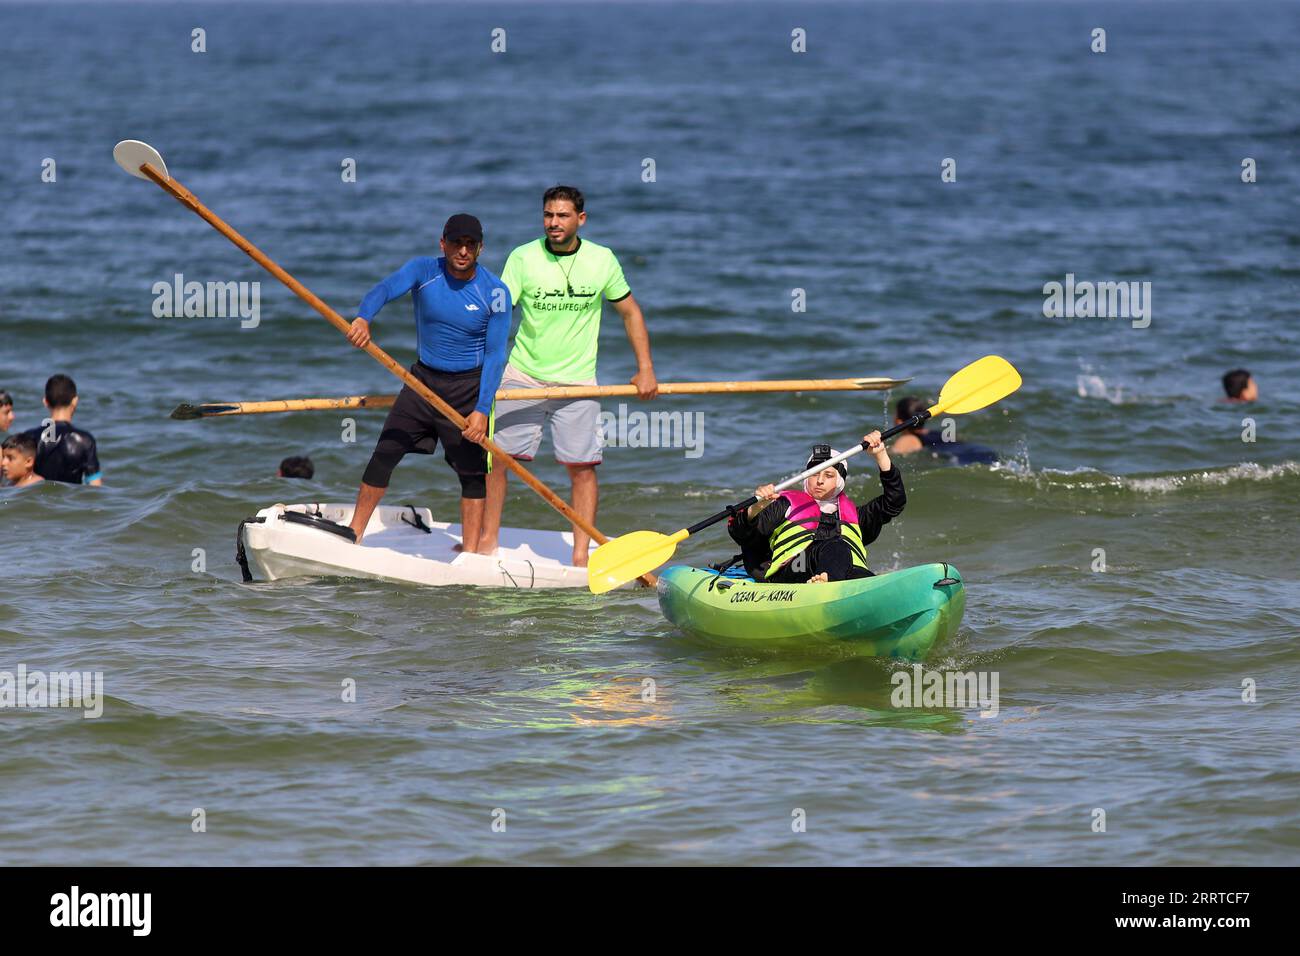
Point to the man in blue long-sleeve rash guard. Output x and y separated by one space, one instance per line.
462 324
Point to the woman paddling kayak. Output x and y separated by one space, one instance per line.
817 534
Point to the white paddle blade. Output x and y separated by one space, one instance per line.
131 154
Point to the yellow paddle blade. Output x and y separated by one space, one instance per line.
630 556
980 383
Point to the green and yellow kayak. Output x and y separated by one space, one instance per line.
901 614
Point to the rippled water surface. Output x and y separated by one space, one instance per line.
1119 689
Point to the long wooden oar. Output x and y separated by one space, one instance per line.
711 388
142 160
981 383
187 412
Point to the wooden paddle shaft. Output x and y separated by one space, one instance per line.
707 388
217 409
212 409
188 199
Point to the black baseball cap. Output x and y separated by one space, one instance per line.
461 225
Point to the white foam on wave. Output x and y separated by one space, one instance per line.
1246 471
1094 386
1086 479
709 492
1088 384
1015 463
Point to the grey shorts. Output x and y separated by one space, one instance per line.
575 423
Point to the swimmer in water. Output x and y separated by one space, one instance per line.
64 452
18 461
1239 385
296 467
6 421
917 439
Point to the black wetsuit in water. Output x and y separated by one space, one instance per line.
960 452
69 457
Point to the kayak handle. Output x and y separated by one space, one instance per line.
945 581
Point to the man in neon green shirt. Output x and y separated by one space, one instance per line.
558 281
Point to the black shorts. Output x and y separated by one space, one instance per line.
413 426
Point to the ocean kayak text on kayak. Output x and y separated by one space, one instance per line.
785 594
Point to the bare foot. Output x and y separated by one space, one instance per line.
486 547
818 578
580 560
357 534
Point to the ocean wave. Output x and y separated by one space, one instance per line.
1092 387
1246 471
1015 471
1087 479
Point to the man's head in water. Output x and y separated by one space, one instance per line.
906 408
18 460
1240 386
910 440
6 410
296 467
61 397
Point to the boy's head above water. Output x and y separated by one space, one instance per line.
828 482
1240 386
61 394
18 457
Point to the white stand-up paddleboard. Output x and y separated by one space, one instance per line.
401 544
